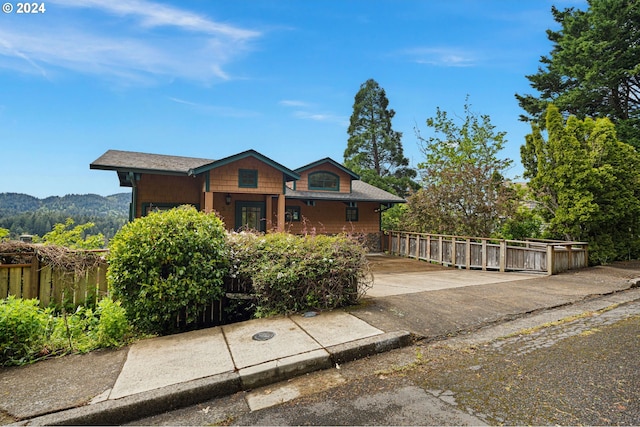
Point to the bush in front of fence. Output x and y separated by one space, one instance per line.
29 332
289 273
23 327
167 264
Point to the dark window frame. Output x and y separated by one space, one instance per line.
324 187
247 178
292 214
352 214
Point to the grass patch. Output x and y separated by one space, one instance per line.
564 320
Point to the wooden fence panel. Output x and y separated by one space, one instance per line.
79 289
4 282
46 291
475 255
493 256
446 252
15 280
461 254
547 256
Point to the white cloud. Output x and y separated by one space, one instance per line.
215 110
294 103
146 42
321 117
302 112
155 14
442 56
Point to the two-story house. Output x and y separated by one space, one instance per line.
249 190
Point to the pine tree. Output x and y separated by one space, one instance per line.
374 149
593 69
586 184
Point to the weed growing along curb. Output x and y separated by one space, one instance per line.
29 333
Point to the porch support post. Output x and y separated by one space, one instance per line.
281 213
208 202
269 212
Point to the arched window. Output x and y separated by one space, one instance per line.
324 181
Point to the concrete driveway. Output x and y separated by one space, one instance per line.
393 275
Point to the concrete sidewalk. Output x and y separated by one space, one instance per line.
161 374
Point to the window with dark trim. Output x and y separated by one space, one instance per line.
352 214
327 181
292 213
248 178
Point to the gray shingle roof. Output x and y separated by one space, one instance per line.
130 161
145 162
360 192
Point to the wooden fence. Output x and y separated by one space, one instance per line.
535 255
52 285
56 287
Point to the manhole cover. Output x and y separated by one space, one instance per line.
263 336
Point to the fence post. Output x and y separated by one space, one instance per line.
503 256
406 245
453 251
428 247
550 260
468 253
440 255
33 290
586 255
484 254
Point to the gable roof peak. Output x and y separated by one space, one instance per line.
290 175
331 162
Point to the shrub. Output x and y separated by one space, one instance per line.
167 264
22 330
291 273
73 332
113 328
28 332
87 329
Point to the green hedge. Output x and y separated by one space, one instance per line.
167 264
289 273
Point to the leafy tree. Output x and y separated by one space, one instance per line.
523 224
593 69
392 217
463 187
374 150
4 234
586 183
74 238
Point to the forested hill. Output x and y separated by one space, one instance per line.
24 214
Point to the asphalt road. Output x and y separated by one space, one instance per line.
581 370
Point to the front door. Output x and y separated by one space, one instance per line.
251 215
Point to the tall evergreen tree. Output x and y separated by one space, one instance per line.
586 184
374 149
594 67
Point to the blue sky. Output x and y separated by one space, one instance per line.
204 78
